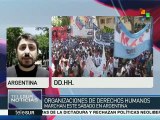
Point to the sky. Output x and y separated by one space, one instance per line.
32 30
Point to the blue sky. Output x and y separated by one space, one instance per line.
32 30
39 12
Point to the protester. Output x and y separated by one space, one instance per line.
70 58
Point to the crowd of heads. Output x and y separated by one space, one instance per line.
138 26
141 66
69 59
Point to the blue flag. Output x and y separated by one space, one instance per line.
128 45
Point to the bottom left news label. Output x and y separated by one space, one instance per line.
25 102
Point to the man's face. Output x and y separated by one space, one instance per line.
27 53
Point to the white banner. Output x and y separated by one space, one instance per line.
27 82
82 26
102 82
96 71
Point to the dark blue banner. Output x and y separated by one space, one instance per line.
101 103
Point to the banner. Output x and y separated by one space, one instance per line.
101 103
102 38
128 45
93 71
82 26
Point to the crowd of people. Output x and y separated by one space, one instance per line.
69 59
141 66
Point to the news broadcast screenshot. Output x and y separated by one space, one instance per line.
80 60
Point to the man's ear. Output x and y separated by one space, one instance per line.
37 54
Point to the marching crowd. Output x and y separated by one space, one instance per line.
69 60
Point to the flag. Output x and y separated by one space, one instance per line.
91 70
98 36
95 27
128 45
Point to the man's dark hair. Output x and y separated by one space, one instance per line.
26 36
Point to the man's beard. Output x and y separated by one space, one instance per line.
25 65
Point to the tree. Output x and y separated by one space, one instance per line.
43 41
59 21
12 35
44 29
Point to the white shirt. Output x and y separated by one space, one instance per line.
116 61
152 68
127 68
97 61
75 70
110 67
65 70
123 69
118 74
